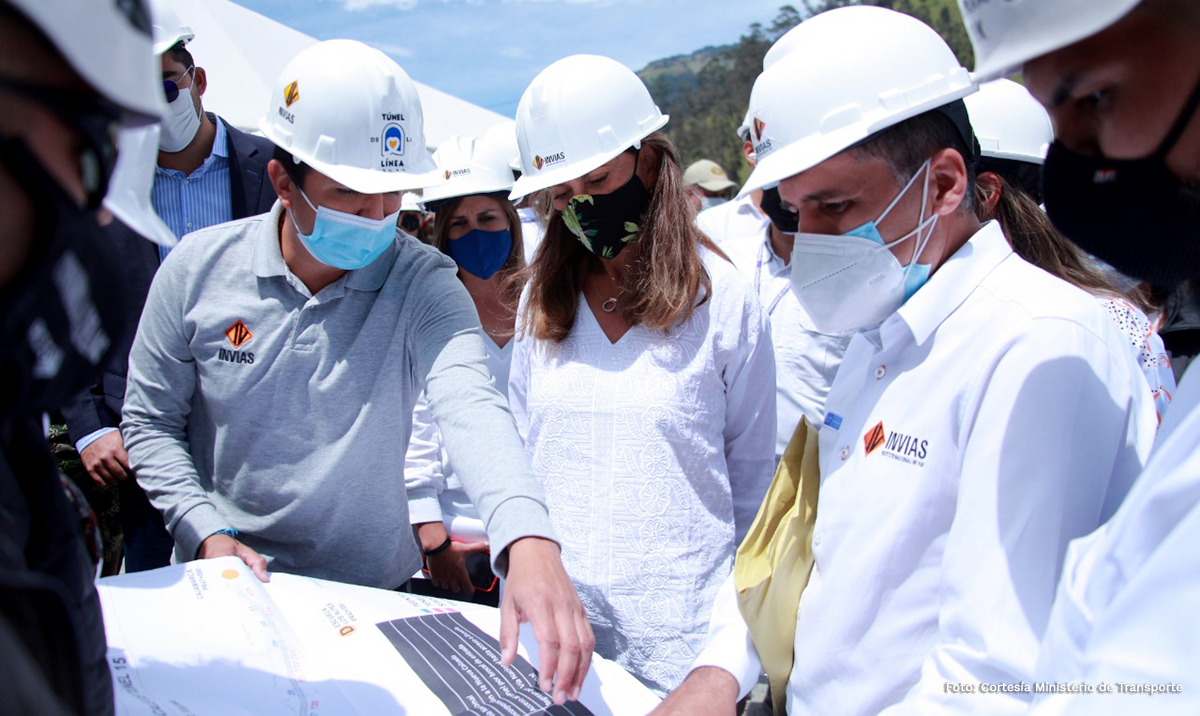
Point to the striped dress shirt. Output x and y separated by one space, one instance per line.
190 202
187 203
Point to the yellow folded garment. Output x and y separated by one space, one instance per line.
774 561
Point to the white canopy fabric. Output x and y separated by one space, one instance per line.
244 52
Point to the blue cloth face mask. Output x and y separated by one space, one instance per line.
481 253
346 241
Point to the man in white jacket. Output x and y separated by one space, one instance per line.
1121 79
985 413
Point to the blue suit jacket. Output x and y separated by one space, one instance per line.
252 194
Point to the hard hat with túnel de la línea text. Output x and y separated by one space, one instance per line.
821 98
467 166
166 26
109 45
351 113
1009 122
1008 34
577 114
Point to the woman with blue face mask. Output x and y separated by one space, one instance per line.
476 225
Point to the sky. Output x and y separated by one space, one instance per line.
488 51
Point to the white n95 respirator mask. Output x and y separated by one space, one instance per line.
181 120
853 282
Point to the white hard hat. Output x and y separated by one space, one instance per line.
577 114
128 195
411 201
503 137
468 166
822 97
1009 122
166 27
1008 34
783 47
743 130
109 45
351 113
775 52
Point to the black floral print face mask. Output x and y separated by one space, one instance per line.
607 223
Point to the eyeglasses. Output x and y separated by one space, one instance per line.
171 87
96 121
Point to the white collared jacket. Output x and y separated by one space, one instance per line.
992 419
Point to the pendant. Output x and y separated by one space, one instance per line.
609 305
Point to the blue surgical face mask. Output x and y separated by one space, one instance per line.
346 241
481 253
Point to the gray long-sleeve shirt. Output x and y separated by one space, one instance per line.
255 405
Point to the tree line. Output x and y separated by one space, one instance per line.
706 93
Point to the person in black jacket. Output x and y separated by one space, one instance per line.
208 173
70 75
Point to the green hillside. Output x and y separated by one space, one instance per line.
706 92
683 64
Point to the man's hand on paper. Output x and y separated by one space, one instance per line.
447 569
539 591
707 691
105 460
222 545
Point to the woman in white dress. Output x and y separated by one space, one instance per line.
643 377
476 225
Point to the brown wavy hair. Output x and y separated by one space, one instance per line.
510 284
666 279
1035 239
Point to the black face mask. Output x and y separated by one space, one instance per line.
1133 214
65 313
607 223
772 205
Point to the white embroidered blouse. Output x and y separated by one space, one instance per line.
654 452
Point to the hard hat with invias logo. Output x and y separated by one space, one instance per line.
577 114
351 113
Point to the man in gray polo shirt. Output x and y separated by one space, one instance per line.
272 381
